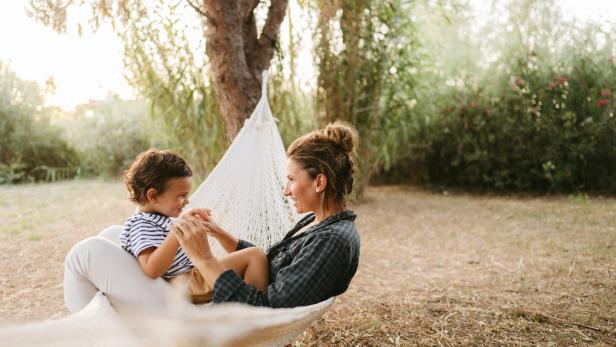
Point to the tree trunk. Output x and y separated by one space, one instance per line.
238 56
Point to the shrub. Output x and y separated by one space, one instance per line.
30 143
109 134
544 128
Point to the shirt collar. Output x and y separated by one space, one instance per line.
156 218
343 215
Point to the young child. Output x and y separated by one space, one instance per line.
160 182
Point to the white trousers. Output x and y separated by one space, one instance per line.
99 264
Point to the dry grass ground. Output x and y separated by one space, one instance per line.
435 269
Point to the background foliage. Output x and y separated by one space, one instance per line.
537 116
29 144
520 101
367 54
109 134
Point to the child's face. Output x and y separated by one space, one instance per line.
174 198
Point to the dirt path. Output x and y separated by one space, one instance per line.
435 269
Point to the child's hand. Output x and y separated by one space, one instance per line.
201 213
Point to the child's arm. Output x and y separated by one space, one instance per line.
226 240
156 261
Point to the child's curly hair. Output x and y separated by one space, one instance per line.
153 169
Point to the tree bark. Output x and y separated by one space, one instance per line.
238 56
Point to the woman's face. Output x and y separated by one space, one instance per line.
301 188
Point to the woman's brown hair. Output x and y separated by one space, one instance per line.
153 169
329 151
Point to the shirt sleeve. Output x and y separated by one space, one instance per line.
243 244
310 278
144 236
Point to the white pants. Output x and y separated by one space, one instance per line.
99 264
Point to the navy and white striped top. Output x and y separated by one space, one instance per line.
144 230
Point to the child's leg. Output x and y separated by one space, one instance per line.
250 263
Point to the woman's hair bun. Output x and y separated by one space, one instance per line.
342 134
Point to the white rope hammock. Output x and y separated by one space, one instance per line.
244 192
98 324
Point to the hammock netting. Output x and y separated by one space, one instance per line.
244 190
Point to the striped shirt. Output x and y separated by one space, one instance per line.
144 230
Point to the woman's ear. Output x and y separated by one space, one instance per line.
151 194
321 183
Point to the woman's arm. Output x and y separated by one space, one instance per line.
156 261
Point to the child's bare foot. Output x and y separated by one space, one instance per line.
192 284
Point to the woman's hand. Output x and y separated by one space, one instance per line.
192 235
191 232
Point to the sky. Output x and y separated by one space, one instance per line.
83 68
89 67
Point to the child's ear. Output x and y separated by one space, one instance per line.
151 194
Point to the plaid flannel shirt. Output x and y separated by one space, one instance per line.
304 269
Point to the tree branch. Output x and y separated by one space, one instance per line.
275 16
249 35
267 39
196 8
248 7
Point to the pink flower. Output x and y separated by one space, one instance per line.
553 86
563 79
603 102
606 93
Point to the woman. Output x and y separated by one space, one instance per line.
316 259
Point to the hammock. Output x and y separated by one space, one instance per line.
244 192
98 324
